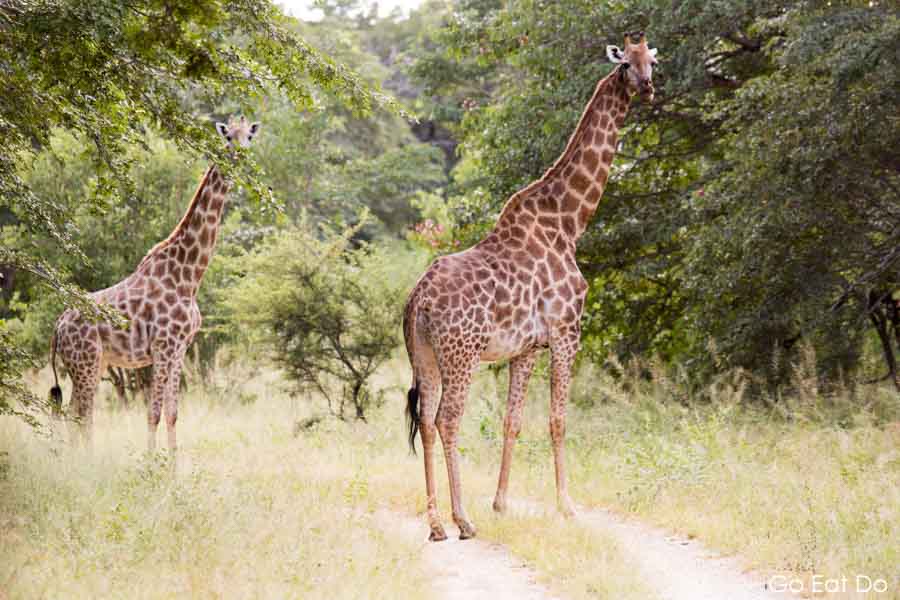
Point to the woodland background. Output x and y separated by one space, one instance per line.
752 217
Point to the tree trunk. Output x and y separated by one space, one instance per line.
879 320
359 401
893 311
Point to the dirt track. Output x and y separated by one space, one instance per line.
677 569
472 569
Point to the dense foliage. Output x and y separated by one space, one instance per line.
753 207
752 217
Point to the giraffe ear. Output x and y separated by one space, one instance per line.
614 54
653 52
254 128
222 128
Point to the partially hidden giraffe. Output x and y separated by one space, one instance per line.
516 292
160 301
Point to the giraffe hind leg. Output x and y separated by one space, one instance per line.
85 375
429 383
428 433
455 388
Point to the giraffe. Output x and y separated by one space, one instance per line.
160 301
516 292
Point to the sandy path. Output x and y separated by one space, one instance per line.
676 568
472 569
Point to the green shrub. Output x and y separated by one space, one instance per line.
328 312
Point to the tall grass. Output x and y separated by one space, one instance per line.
253 513
803 483
269 503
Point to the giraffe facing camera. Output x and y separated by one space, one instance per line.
159 299
238 133
636 61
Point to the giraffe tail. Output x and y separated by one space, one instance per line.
412 397
412 414
56 397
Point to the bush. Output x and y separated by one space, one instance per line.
330 313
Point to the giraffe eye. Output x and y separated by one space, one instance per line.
228 137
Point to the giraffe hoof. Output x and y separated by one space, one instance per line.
567 509
466 531
437 534
499 506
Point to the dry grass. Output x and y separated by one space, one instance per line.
253 513
259 512
808 488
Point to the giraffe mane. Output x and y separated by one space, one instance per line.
571 147
184 219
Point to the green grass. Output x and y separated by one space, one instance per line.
257 511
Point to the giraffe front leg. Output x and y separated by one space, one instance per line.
520 369
158 384
167 363
154 410
563 348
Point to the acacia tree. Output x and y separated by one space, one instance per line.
106 70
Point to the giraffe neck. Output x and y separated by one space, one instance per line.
566 197
185 254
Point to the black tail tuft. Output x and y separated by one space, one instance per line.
55 391
56 399
412 413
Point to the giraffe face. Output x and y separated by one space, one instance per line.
637 60
238 133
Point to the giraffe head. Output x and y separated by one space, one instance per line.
636 62
238 132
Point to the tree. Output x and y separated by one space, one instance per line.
329 313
